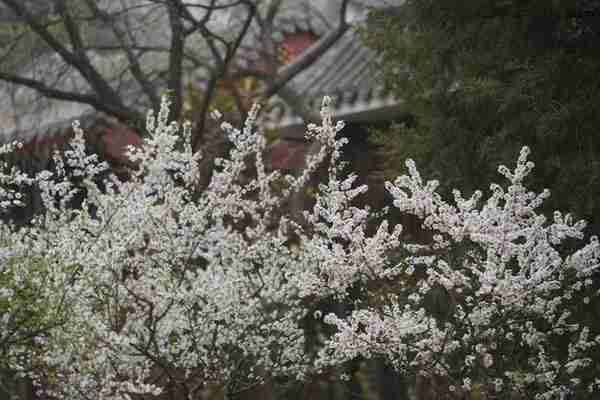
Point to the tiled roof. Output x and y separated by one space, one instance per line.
347 72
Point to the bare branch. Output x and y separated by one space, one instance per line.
222 72
54 93
308 58
200 26
272 11
175 58
79 62
233 47
134 65
72 29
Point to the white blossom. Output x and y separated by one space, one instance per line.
511 291
147 276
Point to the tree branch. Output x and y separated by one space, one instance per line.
201 27
175 58
50 92
72 30
79 62
288 72
222 72
134 65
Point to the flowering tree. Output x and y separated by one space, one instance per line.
150 287
509 328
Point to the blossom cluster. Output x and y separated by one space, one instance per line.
155 285
513 295
151 284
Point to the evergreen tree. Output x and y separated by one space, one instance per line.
483 78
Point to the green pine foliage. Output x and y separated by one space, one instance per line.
483 78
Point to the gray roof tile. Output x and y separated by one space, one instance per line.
349 73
